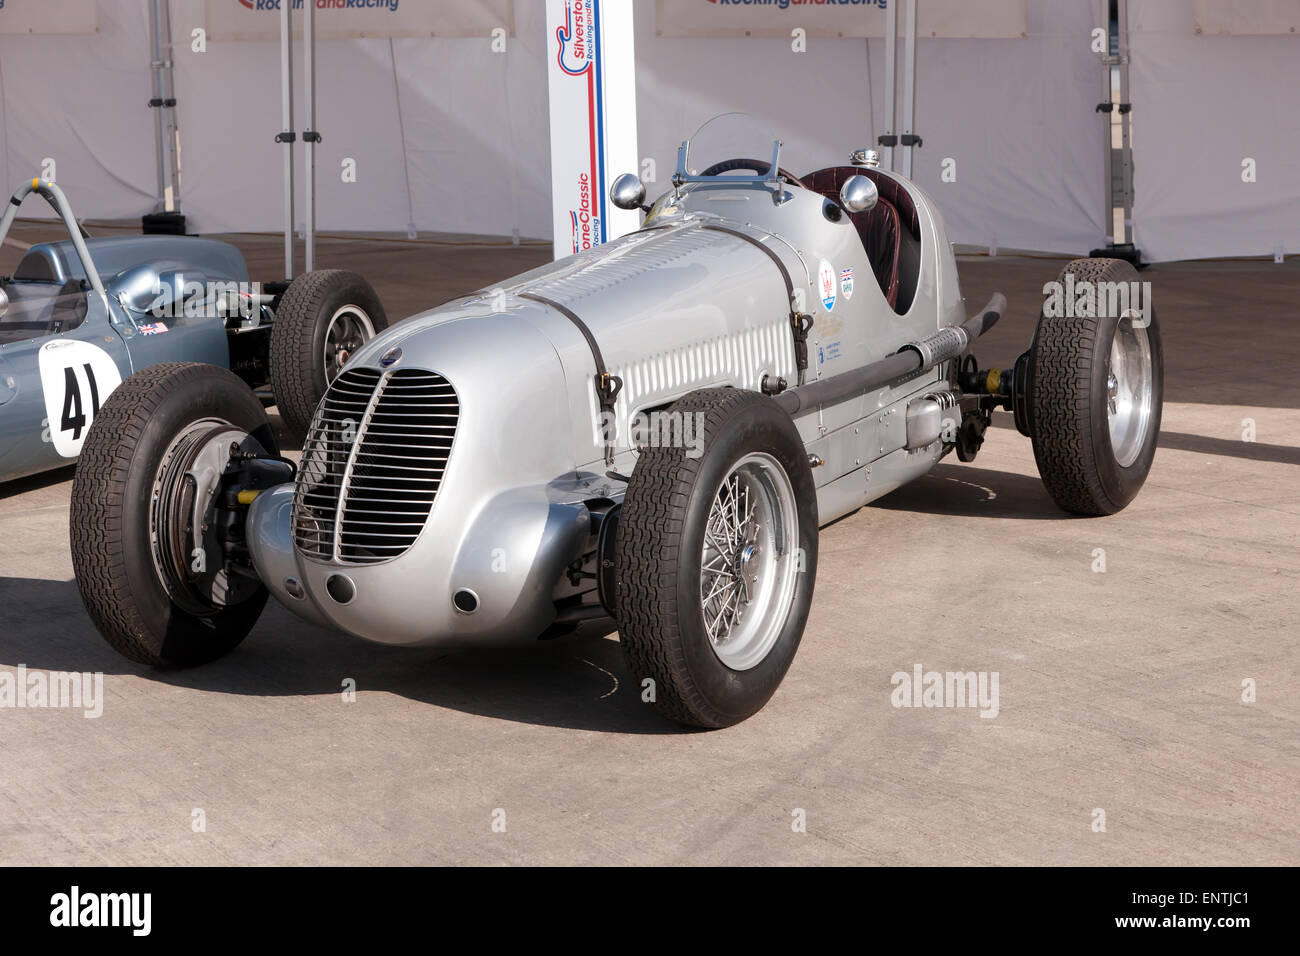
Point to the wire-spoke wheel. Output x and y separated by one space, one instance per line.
716 558
747 566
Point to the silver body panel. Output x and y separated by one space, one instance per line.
674 307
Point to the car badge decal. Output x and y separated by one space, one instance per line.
826 284
391 357
846 284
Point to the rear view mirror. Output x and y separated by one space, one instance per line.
628 192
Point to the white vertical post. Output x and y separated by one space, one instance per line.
309 135
891 67
591 85
909 83
286 135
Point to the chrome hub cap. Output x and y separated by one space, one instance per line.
748 564
1130 385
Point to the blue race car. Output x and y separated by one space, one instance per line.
81 315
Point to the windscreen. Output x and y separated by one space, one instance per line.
726 138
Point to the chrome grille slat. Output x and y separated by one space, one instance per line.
402 458
413 434
366 500
384 524
401 416
394 501
371 534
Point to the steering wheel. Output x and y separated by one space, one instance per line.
757 165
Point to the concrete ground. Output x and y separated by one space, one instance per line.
1121 693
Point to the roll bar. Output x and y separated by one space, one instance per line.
53 195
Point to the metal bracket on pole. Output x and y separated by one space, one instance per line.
287 136
310 136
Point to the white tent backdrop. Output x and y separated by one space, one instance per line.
1015 115
1027 154
1201 105
81 101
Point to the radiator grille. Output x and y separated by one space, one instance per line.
372 464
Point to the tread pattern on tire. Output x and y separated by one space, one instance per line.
96 529
650 524
293 353
1063 439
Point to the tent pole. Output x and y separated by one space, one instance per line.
171 128
891 67
286 134
1125 129
1108 126
909 88
155 67
310 137
1118 157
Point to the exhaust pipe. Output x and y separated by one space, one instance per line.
912 359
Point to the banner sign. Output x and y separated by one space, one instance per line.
837 18
342 19
592 89
49 16
1248 17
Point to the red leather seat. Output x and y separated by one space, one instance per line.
881 228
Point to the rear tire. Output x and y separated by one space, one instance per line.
713 623
114 514
1096 389
321 320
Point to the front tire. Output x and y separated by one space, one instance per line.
1096 392
716 558
129 533
320 322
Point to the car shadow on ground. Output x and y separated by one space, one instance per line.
45 479
1233 448
964 490
579 683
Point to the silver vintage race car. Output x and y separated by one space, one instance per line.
80 315
644 436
